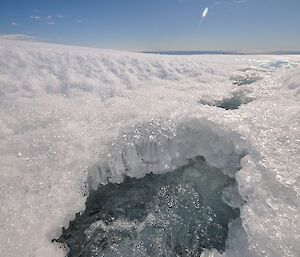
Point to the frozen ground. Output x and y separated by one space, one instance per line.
73 118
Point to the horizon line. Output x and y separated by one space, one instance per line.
29 38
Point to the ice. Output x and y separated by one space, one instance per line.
162 146
74 119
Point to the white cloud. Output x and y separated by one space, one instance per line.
14 24
22 37
205 12
35 17
239 1
49 19
79 21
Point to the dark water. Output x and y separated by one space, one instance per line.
233 102
180 213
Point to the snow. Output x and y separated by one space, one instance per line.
68 113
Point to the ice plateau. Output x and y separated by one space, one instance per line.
75 120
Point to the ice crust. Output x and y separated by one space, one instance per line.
67 113
159 147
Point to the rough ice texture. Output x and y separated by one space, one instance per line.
64 110
162 146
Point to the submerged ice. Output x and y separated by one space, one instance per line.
179 213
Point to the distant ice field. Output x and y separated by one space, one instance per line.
75 120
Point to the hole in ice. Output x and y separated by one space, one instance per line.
277 65
231 103
245 79
182 210
178 213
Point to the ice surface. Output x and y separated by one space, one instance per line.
65 110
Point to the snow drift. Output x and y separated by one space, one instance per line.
73 119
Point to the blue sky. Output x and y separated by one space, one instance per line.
243 25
